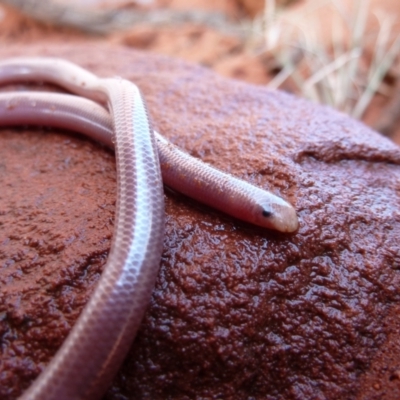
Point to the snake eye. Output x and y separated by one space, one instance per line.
266 213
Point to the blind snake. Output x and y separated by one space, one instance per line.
88 359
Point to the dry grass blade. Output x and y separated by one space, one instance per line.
328 69
376 79
357 32
281 77
332 73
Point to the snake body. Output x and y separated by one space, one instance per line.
88 359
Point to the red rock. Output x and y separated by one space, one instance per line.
237 311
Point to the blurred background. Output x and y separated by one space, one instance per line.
343 53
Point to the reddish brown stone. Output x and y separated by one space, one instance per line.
237 312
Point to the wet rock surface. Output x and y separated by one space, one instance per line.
237 311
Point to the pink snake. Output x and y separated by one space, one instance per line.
95 348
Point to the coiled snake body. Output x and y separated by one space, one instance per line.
90 356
